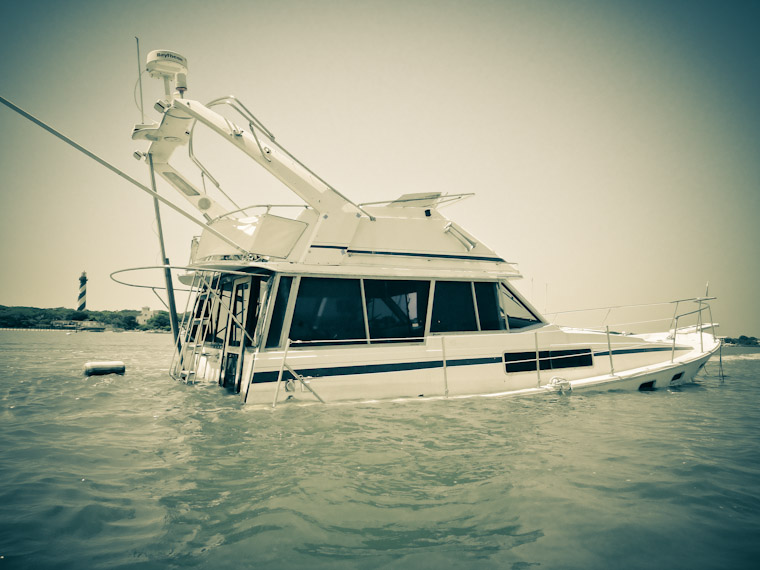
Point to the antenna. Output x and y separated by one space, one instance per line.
139 80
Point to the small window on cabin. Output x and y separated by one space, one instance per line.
396 309
453 307
489 314
278 313
252 319
222 314
328 310
518 315
548 359
240 295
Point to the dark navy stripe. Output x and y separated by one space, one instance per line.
475 361
263 377
412 254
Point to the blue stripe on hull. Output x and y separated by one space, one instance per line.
263 377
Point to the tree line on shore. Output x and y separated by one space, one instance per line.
743 340
36 318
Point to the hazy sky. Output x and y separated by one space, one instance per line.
614 146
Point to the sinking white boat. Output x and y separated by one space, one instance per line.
335 301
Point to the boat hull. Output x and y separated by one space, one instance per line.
455 367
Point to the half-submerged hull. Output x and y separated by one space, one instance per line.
461 367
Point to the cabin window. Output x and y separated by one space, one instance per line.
278 313
328 310
252 319
518 315
221 313
548 359
238 314
453 307
489 315
396 309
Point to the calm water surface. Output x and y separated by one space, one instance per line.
139 471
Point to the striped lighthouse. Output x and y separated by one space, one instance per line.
82 299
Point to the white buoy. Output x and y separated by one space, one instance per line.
106 367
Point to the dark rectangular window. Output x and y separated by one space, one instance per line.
549 359
453 307
278 313
518 315
222 313
238 313
488 307
229 370
328 310
252 319
396 309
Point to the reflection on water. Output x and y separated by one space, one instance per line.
138 471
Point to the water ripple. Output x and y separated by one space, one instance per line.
138 471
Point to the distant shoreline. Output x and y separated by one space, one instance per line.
83 330
35 318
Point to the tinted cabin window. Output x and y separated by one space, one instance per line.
238 308
328 310
489 314
453 308
518 315
396 309
278 313
548 359
222 314
253 312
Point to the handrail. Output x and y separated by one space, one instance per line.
230 100
244 112
267 206
185 267
284 365
443 199
635 305
674 328
690 313
701 301
697 328
255 124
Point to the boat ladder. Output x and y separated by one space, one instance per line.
195 327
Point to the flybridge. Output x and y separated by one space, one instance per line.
329 230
